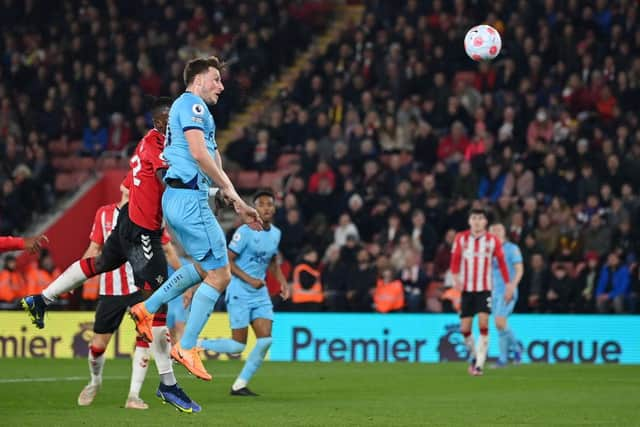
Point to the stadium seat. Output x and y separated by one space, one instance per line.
272 180
75 146
248 180
106 163
285 160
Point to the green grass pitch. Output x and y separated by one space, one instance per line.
43 392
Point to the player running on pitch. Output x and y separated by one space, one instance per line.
504 298
472 253
137 239
194 161
251 253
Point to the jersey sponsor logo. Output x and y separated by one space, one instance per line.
198 109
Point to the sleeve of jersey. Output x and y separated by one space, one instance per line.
456 256
9 243
155 157
516 255
192 115
96 235
128 179
238 241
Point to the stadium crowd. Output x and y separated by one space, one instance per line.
82 72
396 134
387 140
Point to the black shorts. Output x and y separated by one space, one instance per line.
111 310
475 302
141 247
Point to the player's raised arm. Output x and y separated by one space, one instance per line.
31 244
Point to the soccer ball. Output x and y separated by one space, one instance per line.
482 43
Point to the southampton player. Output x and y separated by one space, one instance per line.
251 253
137 238
472 253
117 292
504 298
191 152
30 244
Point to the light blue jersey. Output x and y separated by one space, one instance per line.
187 210
254 250
188 112
512 256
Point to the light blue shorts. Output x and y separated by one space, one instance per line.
499 308
189 215
244 308
176 312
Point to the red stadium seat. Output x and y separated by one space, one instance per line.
106 163
248 180
75 146
285 160
64 182
272 180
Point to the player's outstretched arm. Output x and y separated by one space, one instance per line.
213 168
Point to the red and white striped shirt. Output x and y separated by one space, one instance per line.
473 255
121 280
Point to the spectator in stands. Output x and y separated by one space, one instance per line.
307 292
361 282
613 285
559 288
388 295
414 280
583 295
492 185
452 147
119 133
95 138
345 228
535 285
12 284
598 236
334 278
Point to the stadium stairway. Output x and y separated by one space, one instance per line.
345 16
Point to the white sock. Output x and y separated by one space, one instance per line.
483 345
69 280
238 384
469 342
96 364
161 350
140 364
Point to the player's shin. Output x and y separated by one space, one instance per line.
504 346
181 280
470 344
70 279
483 346
254 361
161 350
204 300
96 364
139 367
225 345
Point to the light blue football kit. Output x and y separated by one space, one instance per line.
176 311
512 256
501 308
185 205
254 250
